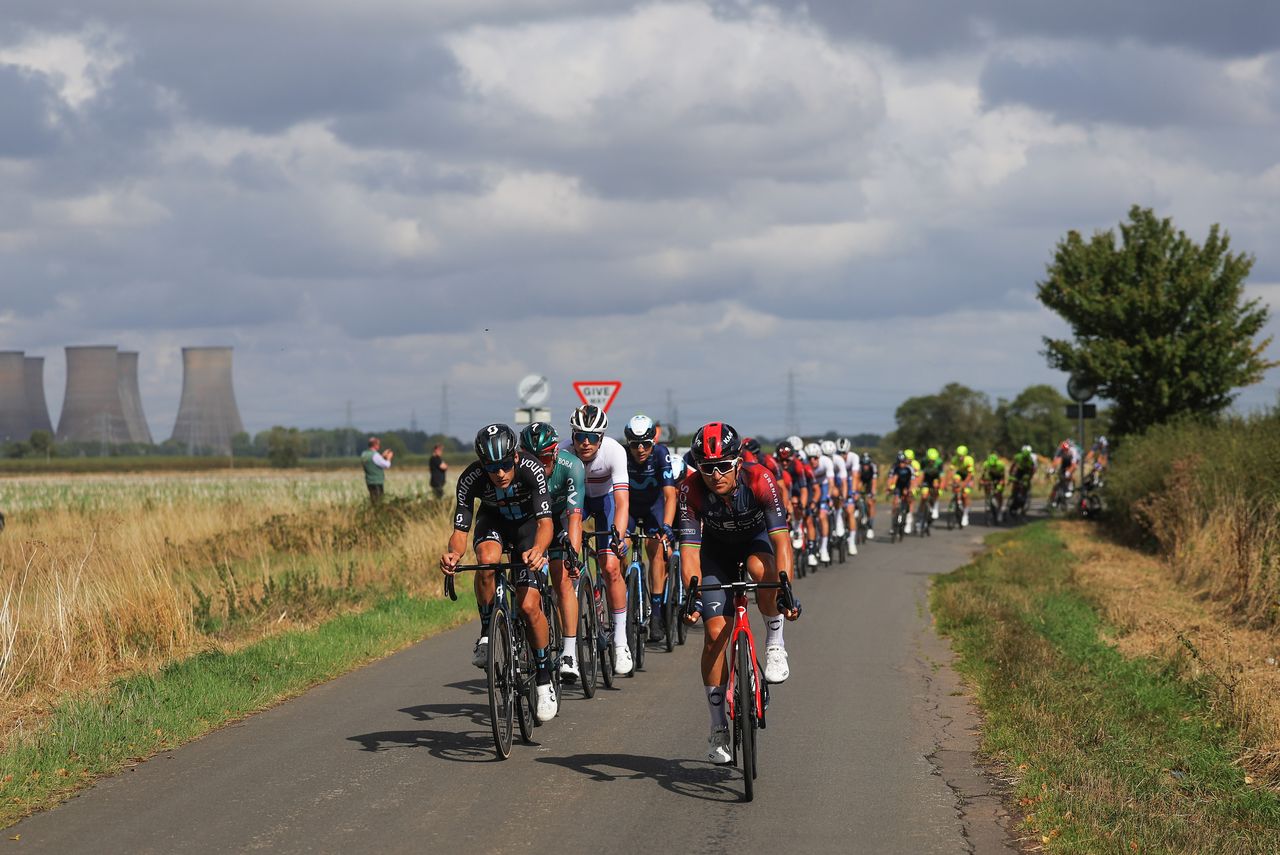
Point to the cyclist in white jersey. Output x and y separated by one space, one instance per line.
852 463
824 477
608 502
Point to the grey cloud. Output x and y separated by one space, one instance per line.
1129 85
26 101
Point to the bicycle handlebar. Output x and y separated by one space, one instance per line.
786 601
463 568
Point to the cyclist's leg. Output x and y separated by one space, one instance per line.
567 603
488 542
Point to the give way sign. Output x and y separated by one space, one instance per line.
598 393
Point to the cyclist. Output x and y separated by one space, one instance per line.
824 477
608 504
841 466
931 472
565 486
1021 473
795 474
753 453
902 476
732 513
962 471
1098 455
514 517
653 505
868 474
844 450
993 475
915 482
1065 462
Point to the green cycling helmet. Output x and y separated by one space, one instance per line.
992 459
539 439
911 455
932 454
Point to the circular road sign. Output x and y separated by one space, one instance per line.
533 390
1080 389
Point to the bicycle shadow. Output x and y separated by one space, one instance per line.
693 779
457 746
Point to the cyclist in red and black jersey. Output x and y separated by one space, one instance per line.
794 474
752 453
731 513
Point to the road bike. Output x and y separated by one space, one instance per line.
924 514
588 634
839 539
861 516
1060 493
510 670
601 614
639 607
1090 504
995 498
746 694
1018 499
673 601
955 511
901 510
799 555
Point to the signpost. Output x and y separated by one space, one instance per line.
533 392
598 393
1080 391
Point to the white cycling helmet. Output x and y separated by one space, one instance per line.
1026 449
813 450
589 419
640 427
796 442
828 447
843 445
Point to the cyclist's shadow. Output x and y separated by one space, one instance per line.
684 777
470 746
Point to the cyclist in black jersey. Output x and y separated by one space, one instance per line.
514 517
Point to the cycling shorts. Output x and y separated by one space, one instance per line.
648 518
720 560
515 537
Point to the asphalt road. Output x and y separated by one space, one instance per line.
868 750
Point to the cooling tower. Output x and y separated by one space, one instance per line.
208 416
91 409
13 397
130 399
37 407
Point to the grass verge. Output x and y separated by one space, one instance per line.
97 734
1106 753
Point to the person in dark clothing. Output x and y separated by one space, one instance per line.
437 467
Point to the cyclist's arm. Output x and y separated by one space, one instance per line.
576 485
530 469
575 530
689 533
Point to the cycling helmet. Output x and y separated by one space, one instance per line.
843 445
866 458
992 459
495 443
828 447
902 457
751 444
932 454
785 449
910 454
715 441
962 450
589 419
1066 445
1102 441
641 428
539 439
796 442
1026 449
813 450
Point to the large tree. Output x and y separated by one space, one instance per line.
954 416
1160 322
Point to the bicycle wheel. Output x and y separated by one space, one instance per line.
588 672
526 694
635 638
502 687
670 610
744 711
555 628
681 627
604 633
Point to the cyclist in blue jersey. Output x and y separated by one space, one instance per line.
653 505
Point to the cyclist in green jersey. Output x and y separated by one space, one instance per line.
962 468
993 474
565 485
931 472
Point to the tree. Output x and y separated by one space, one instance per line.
956 415
285 446
1160 323
41 442
1037 417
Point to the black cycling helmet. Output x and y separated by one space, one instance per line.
495 443
539 439
751 444
785 449
902 457
714 442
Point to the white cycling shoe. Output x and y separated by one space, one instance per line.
934 513
964 519
824 555
480 656
546 702
776 669
813 560
853 544
568 670
622 660
718 747
871 534
907 528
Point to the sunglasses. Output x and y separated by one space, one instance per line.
500 466
550 455
592 437
641 443
723 467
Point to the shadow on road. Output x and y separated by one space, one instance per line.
682 777
458 746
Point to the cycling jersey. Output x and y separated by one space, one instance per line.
962 465
824 472
526 497
798 474
902 474
565 485
753 508
993 473
931 471
648 498
842 470
607 471
867 475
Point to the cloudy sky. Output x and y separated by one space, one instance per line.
369 200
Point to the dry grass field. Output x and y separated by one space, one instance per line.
103 576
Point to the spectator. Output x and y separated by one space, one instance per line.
375 462
437 466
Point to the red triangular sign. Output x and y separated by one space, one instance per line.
599 393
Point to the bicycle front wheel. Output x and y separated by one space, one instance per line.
588 672
670 610
635 638
502 682
744 711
